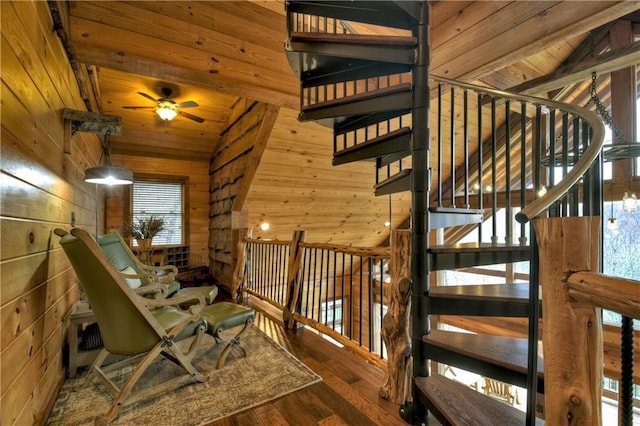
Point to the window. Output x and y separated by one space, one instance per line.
165 199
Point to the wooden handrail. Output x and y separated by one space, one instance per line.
580 168
616 294
357 251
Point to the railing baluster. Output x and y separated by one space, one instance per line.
342 294
480 148
439 121
565 158
452 140
313 294
351 304
553 211
381 262
523 168
494 161
576 154
308 282
466 149
508 239
335 270
361 303
370 298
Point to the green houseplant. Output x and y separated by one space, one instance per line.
143 230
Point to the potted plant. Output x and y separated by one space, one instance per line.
143 230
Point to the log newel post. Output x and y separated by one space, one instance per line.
241 260
294 279
395 324
572 329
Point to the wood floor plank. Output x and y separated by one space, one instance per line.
375 413
348 393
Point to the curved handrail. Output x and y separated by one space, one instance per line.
579 168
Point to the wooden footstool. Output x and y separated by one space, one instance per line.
222 316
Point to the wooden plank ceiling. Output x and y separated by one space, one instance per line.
217 52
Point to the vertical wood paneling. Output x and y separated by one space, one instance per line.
40 187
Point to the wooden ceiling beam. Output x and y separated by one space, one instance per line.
531 35
607 62
229 84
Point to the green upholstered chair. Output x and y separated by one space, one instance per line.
133 326
152 281
142 328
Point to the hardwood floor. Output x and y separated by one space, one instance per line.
348 394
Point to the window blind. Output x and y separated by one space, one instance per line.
164 200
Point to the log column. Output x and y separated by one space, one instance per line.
241 260
572 330
293 278
395 324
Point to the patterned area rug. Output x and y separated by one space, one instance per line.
267 372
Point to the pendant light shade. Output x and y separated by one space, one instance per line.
109 174
630 202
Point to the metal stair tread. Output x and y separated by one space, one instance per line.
508 353
398 88
379 146
389 14
399 182
477 248
458 210
511 293
494 300
377 40
454 403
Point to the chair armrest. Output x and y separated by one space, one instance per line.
169 272
152 289
183 299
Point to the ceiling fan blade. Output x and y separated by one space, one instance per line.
191 116
148 96
139 107
188 104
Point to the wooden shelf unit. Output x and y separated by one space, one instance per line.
177 256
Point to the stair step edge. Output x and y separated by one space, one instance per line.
505 352
454 403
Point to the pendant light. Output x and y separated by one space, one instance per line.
629 200
109 174
612 223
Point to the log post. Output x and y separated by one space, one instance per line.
572 330
395 324
241 260
293 278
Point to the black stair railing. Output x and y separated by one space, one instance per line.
495 150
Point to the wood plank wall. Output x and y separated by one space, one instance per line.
198 219
41 187
231 171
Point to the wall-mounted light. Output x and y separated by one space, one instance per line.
265 226
109 174
167 110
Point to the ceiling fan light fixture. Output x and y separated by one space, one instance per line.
108 175
167 111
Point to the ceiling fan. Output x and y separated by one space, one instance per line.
166 108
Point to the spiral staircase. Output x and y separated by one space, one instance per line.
447 142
